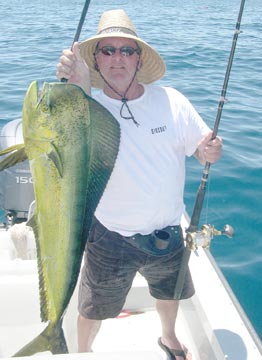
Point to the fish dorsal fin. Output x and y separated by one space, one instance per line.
32 222
104 140
17 155
54 156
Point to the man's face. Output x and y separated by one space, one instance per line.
117 69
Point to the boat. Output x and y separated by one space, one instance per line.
212 323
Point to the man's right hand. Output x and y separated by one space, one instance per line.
72 67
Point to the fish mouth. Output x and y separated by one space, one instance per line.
34 94
42 95
37 91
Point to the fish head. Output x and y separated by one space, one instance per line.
37 114
46 113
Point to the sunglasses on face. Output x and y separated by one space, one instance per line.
124 50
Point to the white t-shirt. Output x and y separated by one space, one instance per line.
145 190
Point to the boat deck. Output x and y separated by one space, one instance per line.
211 324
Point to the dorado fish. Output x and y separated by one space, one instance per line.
72 143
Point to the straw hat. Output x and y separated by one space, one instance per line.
115 23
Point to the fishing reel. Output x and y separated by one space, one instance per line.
204 236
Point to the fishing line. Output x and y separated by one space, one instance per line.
207 199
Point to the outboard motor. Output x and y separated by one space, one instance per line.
16 188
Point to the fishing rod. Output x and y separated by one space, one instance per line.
79 27
195 237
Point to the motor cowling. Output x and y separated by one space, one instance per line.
16 185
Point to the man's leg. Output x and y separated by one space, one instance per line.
107 275
167 310
87 330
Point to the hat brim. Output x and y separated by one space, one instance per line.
153 67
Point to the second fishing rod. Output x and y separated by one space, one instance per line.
195 237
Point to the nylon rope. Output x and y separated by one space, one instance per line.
124 99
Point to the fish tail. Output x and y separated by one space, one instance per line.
51 339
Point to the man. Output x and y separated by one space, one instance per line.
144 195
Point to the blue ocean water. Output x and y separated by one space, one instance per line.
194 38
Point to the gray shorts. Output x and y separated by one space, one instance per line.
110 266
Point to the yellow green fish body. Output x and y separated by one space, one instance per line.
72 143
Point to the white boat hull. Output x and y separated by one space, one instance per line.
211 323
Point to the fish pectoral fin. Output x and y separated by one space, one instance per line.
54 156
11 149
51 339
17 155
